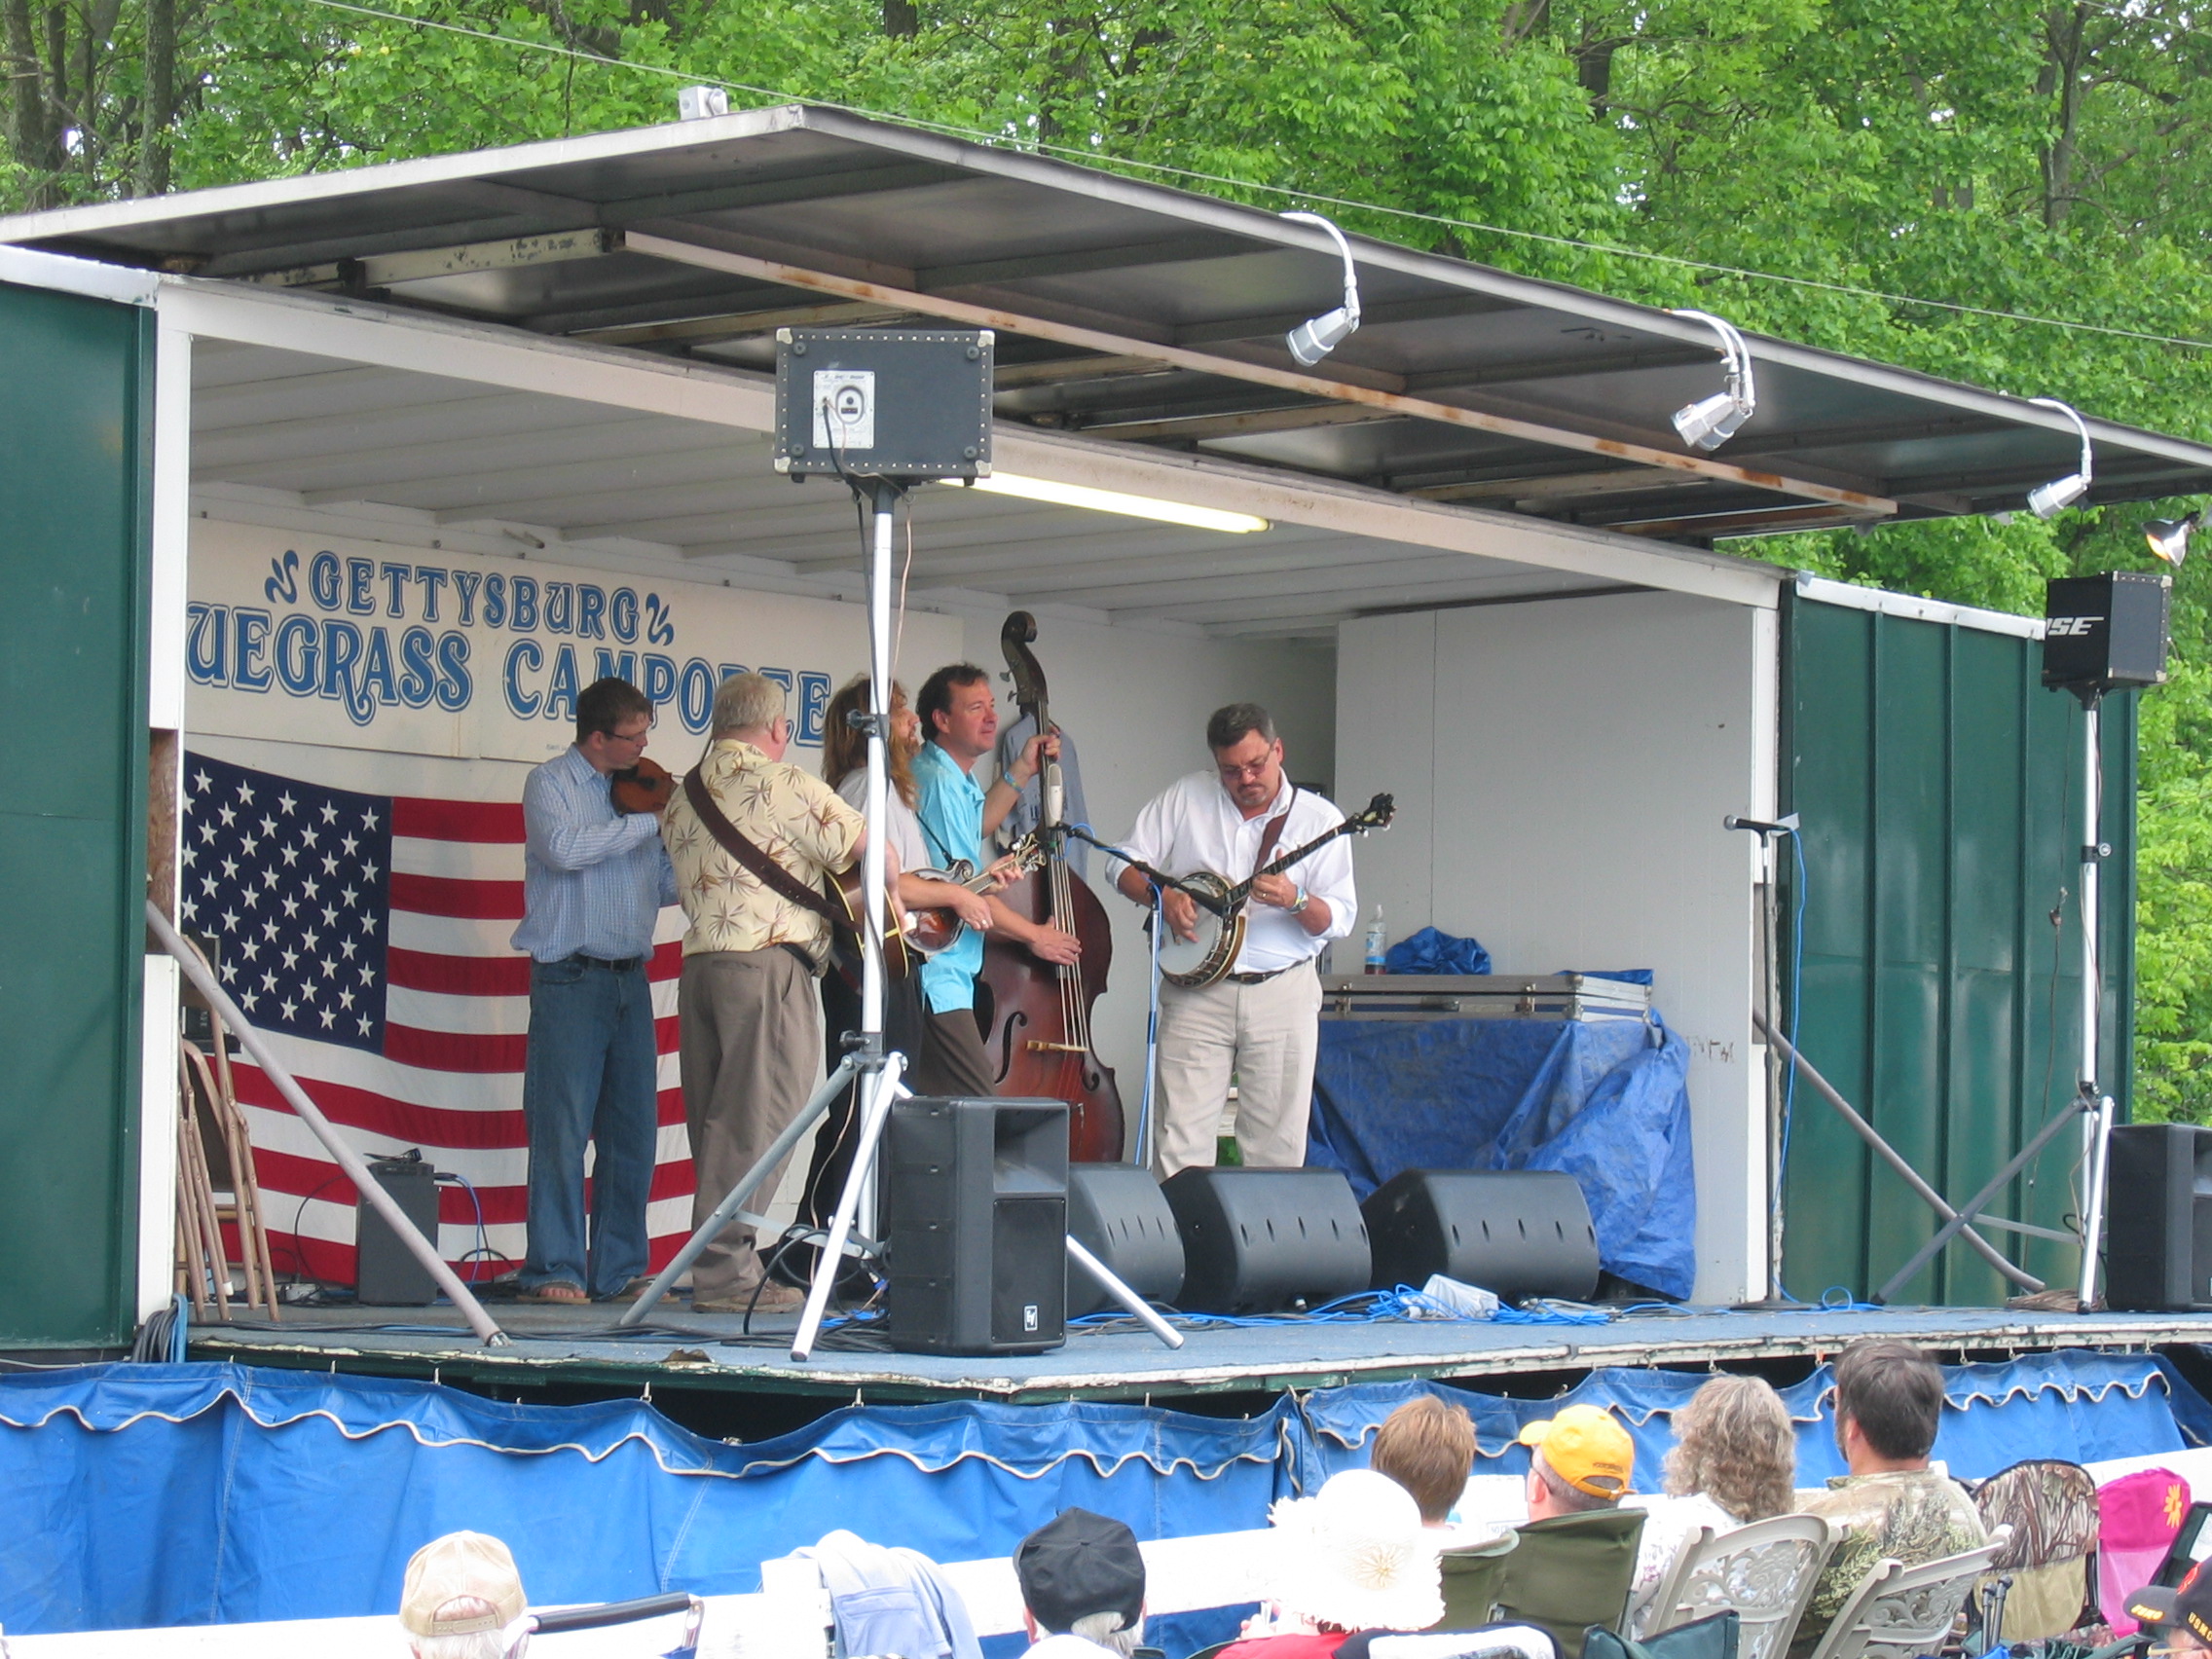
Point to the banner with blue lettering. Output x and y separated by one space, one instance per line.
364 645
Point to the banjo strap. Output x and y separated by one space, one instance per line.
1272 834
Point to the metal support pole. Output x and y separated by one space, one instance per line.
1974 1206
2096 1123
1112 1285
1769 903
1890 1156
726 1211
883 1088
346 1158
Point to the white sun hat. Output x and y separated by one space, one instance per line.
1355 1555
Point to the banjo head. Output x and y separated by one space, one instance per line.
1203 960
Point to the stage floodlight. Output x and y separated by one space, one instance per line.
1316 337
2169 537
701 103
2049 500
1713 420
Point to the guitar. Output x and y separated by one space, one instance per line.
1221 918
845 950
939 927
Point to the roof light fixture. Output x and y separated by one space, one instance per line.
2049 500
1712 422
1082 496
1316 337
2169 537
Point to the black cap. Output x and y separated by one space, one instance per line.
2188 1603
1079 1563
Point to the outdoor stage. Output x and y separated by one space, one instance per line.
677 1350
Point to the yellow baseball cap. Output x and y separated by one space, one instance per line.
1586 1448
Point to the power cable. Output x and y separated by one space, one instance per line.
1102 163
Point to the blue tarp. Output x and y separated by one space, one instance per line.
164 1495
1600 1100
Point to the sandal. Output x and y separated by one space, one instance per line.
556 1290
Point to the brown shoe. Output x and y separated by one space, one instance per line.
772 1298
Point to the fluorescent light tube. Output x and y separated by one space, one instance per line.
1114 501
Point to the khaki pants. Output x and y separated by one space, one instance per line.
749 1040
1268 1035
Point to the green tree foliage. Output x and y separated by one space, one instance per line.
2005 156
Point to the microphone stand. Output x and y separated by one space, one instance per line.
1158 877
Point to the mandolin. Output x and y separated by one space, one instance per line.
939 927
643 788
1221 918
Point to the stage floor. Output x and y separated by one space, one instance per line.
706 1352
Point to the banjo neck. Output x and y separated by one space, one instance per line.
1377 815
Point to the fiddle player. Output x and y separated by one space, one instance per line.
960 721
746 1006
594 881
1262 1021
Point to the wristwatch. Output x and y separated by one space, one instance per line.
1297 904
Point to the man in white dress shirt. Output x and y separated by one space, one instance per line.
1260 1023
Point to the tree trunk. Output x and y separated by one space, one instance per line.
901 19
2062 74
34 132
157 104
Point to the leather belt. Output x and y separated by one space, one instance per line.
619 965
1259 978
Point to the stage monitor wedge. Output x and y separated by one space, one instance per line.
1117 1212
1518 1233
900 403
975 1221
1257 1240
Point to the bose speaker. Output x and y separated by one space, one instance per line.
386 1273
975 1216
1520 1232
1255 1240
1116 1212
2106 633
2158 1226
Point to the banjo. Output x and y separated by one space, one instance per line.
1221 920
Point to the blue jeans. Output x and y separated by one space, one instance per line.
590 1076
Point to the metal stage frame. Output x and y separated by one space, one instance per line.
570 1346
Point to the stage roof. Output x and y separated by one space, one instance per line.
1133 314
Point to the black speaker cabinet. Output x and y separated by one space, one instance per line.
1255 1240
1520 1232
2107 631
975 1216
2158 1226
1116 1212
384 1274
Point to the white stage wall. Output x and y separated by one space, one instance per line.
1562 769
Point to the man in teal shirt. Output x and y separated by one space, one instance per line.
961 718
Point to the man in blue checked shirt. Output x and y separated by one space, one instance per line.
594 881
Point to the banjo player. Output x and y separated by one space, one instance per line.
1260 1021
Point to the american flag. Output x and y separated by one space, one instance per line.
366 936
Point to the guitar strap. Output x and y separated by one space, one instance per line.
773 875
1272 834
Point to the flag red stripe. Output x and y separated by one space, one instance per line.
409 1124
453 896
490 821
494 976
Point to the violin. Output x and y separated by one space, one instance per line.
1036 1015
643 788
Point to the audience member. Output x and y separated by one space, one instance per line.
1578 1460
1428 1448
2181 1618
1349 1561
1734 1460
1082 1583
1888 1399
460 1595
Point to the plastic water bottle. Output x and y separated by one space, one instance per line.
1378 942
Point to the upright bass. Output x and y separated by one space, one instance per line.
1037 1014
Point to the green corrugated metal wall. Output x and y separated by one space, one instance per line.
75 395
1941 794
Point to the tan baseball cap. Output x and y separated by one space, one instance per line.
1586 1448
459 1566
